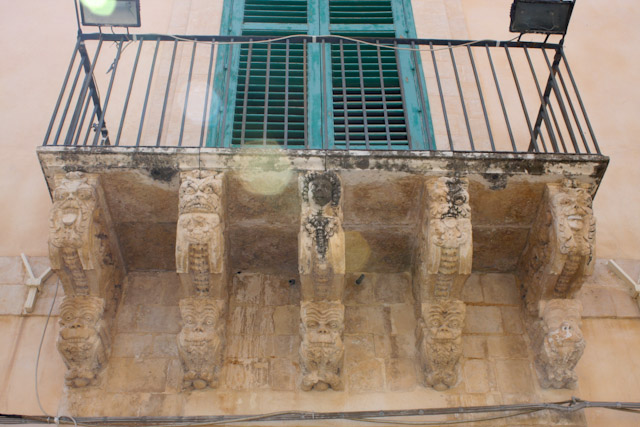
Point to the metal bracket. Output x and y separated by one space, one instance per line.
33 283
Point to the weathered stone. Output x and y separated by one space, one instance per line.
439 337
400 374
392 288
561 245
476 376
472 290
510 347
403 319
514 376
558 342
83 342
286 319
282 374
498 248
499 289
83 251
159 236
137 375
321 240
200 247
512 320
321 349
201 341
474 347
483 320
280 291
366 376
445 247
359 293
158 318
133 345
358 348
596 302
247 289
364 319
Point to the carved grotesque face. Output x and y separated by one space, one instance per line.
201 321
322 324
200 192
444 320
447 198
80 322
573 207
199 228
73 203
321 190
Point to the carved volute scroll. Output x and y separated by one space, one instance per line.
321 241
201 340
82 251
561 244
200 248
446 246
558 342
440 342
83 341
321 348
442 266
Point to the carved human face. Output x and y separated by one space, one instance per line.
321 190
444 320
200 192
80 319
322 324
573 206
73 203
562 323
448 199
201 321
199 228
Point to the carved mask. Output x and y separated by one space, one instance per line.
74 201
322 189
80 322
200 192
322 324
572 206
201 322
561 320
199 228
444 320
447 199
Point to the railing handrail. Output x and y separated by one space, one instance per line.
455 97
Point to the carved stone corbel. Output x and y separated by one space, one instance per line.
85 256
201 340
443 265
558 342
201 265
440 342
560 250
82 251
321 347
200 248
321 243
83 341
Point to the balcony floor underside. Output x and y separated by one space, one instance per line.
383 196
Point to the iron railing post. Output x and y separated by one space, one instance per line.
545 98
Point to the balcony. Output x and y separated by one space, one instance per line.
137 110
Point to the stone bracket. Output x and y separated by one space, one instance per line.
560 250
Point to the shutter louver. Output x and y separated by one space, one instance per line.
360 12
276 11
269 107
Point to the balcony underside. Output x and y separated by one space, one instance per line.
382 200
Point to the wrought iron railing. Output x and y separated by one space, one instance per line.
175 91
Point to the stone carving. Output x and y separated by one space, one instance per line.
83 341
201 340
200 241
439 336
446 248
558 342
321 237
79 246
560 250
321 349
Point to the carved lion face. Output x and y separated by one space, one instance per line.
74 201
201 321
200 192
322 323
80 319
444 320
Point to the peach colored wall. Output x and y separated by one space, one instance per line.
603 49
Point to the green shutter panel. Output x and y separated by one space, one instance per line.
360 12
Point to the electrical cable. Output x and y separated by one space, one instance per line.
44 331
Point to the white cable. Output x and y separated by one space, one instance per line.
44 331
